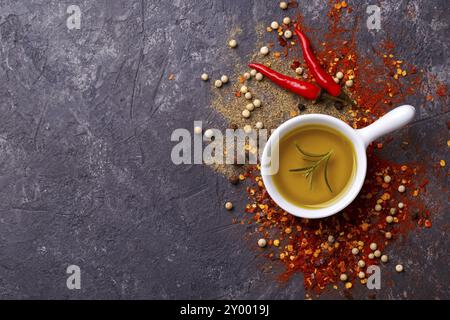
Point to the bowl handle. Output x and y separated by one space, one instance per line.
391 121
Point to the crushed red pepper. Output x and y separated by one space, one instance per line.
303 245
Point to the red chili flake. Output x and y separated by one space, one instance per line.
282 41
292 4
441 90
295 64
424 183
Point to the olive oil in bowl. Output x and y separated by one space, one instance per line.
316 166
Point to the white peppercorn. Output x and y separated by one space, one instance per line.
232 43
288 34
246 113
259 76
262 243
224 79
249 106
257 103
264 50
244 89
228 205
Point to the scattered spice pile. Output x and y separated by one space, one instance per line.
341 247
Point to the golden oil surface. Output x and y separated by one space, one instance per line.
314 139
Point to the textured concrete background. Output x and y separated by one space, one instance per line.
85 171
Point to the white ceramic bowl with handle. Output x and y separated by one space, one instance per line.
360 139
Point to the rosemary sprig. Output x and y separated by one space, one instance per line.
309 171
309 154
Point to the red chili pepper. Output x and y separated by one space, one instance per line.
305 89
322 77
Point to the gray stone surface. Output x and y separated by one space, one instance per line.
85 171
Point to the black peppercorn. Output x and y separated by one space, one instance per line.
301 107
338 105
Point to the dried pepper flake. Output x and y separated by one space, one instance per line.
326 248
